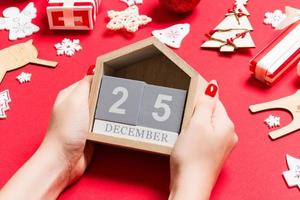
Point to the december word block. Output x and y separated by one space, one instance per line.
135 133
119 100
162 108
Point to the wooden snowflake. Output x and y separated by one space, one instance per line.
128 19
272 121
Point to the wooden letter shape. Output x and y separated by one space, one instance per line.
162 108
19 55
119 100
290 103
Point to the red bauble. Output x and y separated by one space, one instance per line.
180 6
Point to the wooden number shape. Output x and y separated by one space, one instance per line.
160 104
115 108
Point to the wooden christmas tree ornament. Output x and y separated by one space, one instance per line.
19 55
290 103
146 83
233 32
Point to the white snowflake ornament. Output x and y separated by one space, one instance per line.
132 2
292 176
274 18
4 100
18 23
272 121
68 47
173 35
24 77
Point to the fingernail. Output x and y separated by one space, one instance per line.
91 70
211 90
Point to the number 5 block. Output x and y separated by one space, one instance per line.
119 100
162 108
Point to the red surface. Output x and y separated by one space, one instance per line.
252 172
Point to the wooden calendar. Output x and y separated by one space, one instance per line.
142 96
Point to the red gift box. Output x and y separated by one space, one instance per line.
278 56
72 14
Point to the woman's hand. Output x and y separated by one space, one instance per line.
64 153
202 148
69 127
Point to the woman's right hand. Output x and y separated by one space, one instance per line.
202 148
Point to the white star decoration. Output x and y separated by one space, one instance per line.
128 19
132 2
272 121
173 35
274 18
18 23
24 77
292 176
68 47
4 100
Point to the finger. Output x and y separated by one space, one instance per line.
206 103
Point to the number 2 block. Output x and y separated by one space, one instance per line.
119 100
162 108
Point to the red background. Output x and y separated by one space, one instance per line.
254 169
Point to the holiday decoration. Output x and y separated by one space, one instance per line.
128 19
18 23
72 14
278 56
173 35
292 176
24 77
180 6
233 32
274 18
289 103
19 55
132 2
4 100
272 121
138 123
68 47
292 16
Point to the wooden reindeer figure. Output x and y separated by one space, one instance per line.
19 55
290 103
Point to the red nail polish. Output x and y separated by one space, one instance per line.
211 90
91 70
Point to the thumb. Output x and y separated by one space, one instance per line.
206 103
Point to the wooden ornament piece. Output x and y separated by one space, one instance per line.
290 103
19 55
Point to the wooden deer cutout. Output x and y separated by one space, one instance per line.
19 55
290 103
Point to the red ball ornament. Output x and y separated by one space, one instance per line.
180 6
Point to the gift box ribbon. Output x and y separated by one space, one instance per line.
283 52
68 14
